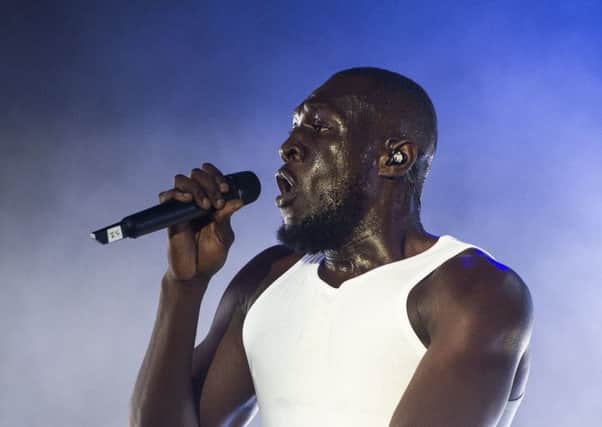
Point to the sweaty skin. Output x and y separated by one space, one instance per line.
472 313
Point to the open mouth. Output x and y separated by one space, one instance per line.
286 185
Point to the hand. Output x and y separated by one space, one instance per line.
194 253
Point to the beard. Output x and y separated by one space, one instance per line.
330 227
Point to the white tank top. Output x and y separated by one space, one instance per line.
324 356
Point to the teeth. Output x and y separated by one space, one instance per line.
285 183
282 184
287 178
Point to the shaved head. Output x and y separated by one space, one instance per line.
390 106
342 136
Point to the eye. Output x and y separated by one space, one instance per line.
320 127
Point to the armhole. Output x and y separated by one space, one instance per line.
510 412
251 305
517 400
460 247
257 294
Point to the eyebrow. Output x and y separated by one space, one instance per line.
317 105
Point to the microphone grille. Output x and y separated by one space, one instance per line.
246 184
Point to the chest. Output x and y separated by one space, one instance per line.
418 295
309 343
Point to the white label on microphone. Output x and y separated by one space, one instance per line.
114 233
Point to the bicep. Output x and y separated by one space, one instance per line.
237 291
222 382
226 392
453 386
220 377
465 377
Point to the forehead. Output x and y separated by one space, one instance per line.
313 105
342 86
345 96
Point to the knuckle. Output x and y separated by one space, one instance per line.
196 172
180 179
210 169
201 195
201 177
214 173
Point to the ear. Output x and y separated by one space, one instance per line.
407 147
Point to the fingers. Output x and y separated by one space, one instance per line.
164 196
218 176
208 183
205 186
230 207
221 225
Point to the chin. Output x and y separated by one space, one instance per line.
317 233
327 229
291 216
295 237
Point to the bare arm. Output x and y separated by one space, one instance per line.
226 395
482 330
210 385
163 394
164 390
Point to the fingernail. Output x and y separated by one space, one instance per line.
223 187
205 203
219 203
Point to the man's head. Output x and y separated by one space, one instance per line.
338 154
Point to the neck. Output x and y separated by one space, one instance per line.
380 239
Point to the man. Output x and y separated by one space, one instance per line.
361 317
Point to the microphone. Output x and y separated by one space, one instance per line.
242 185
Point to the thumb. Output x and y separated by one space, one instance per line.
226 212
221 225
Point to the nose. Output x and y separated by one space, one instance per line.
291 151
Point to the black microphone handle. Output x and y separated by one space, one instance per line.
166 214
242 185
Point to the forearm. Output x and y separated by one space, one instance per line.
163 394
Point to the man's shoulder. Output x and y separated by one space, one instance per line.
473 275
263 269
273 260
473 287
